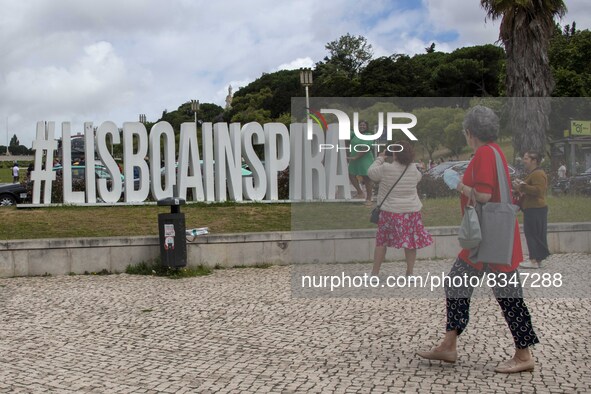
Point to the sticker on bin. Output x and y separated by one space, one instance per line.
169 243
169 230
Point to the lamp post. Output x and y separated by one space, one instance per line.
306 81
7 153
195 108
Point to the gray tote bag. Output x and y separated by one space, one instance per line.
497 224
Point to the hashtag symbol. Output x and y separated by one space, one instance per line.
43 174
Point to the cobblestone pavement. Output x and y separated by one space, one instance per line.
240 330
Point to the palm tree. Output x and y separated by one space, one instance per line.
526 28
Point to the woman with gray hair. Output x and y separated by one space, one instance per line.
481 128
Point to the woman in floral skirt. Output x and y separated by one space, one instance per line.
400 224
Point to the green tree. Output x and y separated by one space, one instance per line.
283 84
396 75
526 29
251 107
480 66
430 128
459 78
14 142
208 112
454 136
349 54
570 59
370 114
338 73
20 150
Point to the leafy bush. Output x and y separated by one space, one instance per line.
154 268
283 184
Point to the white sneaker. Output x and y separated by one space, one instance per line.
529 265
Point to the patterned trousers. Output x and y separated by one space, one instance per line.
509 297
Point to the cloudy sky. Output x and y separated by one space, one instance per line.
77 60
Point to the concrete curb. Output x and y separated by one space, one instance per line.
80 255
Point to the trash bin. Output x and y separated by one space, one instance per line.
171 227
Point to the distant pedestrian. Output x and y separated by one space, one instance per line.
359 161
421 166
29 170
15 170
535 210
562 171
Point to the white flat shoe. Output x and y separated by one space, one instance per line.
513 366
447 357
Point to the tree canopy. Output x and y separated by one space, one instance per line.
349 70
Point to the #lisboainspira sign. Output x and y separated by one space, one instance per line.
315 153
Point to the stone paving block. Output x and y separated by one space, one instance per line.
346 251
304 252
250 254
21 262
121 257
38 265
84 260
553 242
215 254
277 252
574 243
6 265
447 249
193 254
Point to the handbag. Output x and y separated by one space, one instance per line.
374 217
470 234
497 224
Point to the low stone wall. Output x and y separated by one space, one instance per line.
12 158
79 255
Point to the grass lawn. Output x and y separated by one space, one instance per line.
73 222
6 174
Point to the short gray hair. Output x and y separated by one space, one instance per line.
482 123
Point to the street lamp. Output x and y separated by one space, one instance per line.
195 108
306 81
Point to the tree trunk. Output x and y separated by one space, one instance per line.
529 79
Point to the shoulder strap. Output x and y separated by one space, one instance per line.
502 178
387 194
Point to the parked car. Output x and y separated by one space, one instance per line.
79 172
245 170
461 166
79 179
578 184
12 194
438 170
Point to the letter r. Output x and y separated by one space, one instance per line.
404 127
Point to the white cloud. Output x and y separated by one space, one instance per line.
300 62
